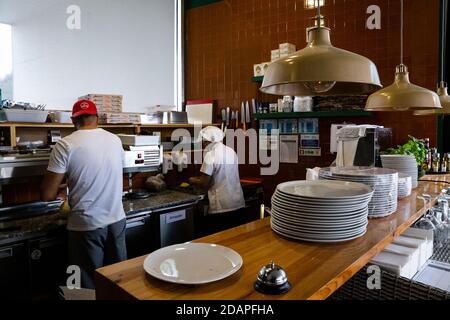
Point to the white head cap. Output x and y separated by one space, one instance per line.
212 134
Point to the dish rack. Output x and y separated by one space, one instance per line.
393 288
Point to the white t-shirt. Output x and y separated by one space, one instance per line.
93 162
225 193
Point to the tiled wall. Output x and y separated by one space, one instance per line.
225 39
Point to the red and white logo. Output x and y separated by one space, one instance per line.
84 105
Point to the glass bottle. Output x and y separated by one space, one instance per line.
444 163
287 104
427 162
436 162
448 162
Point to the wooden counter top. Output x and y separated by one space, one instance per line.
315 270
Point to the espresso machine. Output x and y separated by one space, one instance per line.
360 146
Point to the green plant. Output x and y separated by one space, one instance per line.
414 147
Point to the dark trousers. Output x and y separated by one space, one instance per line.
91 250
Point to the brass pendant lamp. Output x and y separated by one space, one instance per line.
402 95
321 69
442 90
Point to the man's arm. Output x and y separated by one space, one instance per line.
204 181
51 185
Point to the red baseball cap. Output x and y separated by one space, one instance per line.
84 107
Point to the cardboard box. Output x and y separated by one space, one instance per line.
119 118
265 66
200 111
258 70
287 48
275 55
106 103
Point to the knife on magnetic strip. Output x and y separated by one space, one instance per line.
244 123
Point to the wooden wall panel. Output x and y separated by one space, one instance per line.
225 39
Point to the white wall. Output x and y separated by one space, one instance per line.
124 47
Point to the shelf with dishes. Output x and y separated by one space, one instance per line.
317 114
67 125
39 131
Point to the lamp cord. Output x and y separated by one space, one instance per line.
401 32
319 22
443 39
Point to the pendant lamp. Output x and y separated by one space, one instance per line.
442 90
321 69
402 95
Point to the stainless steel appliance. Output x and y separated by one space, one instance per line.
141 237
362 150
165 117
176 224
23 163
32 253
152 229
142 153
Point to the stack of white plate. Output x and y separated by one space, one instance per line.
404 185
321 211
384 182
404 164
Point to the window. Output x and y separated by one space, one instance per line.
63 51
6 85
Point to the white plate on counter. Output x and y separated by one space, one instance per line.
318 215
193 263
331 190
329 218
309 228
315 239
322 202
311 208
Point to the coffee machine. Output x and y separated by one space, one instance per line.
360 146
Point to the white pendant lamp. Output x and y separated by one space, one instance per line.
321 70
402 95
444 98
442 90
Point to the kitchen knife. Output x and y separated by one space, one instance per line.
224 119
253 106
228 117
243 116
248 119
233 119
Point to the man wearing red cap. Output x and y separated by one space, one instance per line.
91 161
